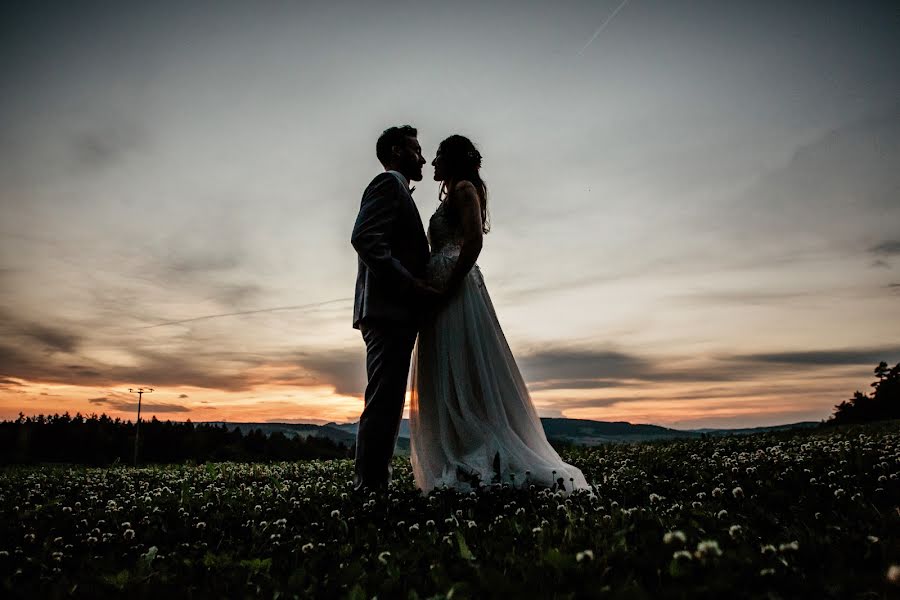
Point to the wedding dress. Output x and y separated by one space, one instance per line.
471 420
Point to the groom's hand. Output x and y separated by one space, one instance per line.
425 292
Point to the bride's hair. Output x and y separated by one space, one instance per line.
461 161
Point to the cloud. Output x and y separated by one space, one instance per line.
823 358
564 364
182 395
53 338
345 369
886 248
585 369
128 406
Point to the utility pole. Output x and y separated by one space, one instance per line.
137 432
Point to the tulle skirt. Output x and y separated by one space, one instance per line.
472 422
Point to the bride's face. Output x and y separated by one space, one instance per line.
437 163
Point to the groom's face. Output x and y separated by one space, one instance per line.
410 160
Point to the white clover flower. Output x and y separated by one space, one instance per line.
790 546
200 525
766 572
722 513
839 493
738 492
586 555
129 534
767 549
413 527
383 556
671 537
682 555
893 574
307 547
335 514
654 498
708 549
536 530
734 531
471 524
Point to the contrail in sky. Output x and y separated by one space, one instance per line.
602 27
249 312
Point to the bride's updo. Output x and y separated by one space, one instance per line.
461 161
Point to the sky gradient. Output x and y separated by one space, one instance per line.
695 205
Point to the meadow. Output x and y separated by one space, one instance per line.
796 514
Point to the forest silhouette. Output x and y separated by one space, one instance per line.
882 404
102 440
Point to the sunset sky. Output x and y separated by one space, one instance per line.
695 205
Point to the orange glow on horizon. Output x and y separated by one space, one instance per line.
276 397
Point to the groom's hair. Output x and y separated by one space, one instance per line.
390 137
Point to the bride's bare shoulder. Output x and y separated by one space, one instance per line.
464 191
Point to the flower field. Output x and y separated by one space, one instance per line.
803 514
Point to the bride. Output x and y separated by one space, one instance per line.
471 420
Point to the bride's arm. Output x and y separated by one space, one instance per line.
468 207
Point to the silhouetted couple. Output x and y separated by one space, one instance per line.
472 422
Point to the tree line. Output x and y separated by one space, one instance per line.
102 440
882 404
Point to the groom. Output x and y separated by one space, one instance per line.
393 253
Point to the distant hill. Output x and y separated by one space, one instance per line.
583 432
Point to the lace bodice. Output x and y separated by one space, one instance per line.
445 238
444 235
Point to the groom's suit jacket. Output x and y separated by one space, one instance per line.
392 248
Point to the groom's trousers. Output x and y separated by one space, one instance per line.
388 349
